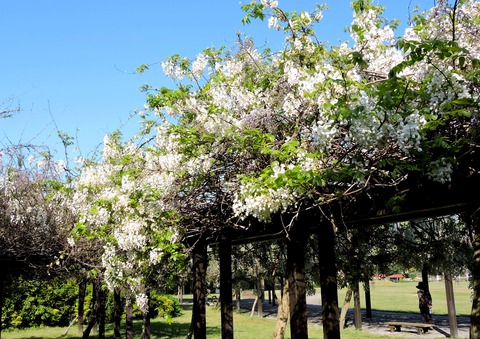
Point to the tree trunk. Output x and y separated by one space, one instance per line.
92 320
180 291
117 313
282 286
199 273
129 318
282 314
475 315
346 305
328 280
368 300
94 329
226 288
82 291
2 284
425 269
296 282
358 310
238 294
261 294
98 313
252 312
274 295
452 316
102 311
146 327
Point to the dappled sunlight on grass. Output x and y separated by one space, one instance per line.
387 296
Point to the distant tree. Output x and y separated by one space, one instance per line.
441 244
33 229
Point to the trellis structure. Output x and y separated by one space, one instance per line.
421 199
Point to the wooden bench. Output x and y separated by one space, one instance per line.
396 326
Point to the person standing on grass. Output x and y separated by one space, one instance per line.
424 302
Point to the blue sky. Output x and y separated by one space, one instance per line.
69 64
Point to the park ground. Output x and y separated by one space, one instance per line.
390 302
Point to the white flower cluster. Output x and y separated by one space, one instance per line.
308 96
128 200
440 171
263 205
142 301
444 86
130 235
323 133
406 132
173 70
438 25
376 42
269 3
199 65
273 22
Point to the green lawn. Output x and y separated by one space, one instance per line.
385 296
246 327
402 297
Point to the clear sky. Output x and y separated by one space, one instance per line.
70 64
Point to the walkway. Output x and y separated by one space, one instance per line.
377 324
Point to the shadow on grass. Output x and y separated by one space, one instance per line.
165 331
160 329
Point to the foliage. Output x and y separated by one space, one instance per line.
166 306
441 243
313 124
34 223
161 305
53 302
248 136
30 303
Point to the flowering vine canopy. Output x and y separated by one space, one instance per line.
314 123
251 133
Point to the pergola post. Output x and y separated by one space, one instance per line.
357 306
368 299
296 281
452 316
475 314
2 284
328 280
199 289
225 248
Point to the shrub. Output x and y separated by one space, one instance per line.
30 303
167 307
161 305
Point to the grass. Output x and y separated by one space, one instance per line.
402 297
245 327
387 296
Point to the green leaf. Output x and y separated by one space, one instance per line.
142 68
462 101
